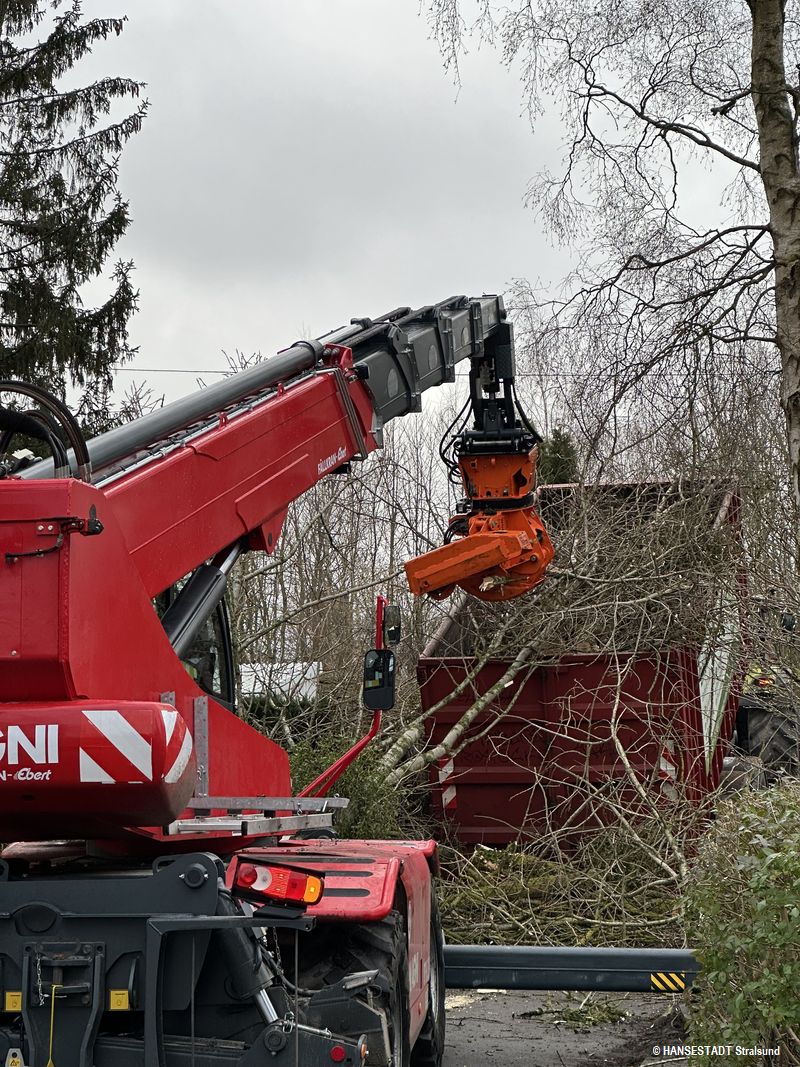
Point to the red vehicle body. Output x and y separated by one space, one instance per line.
127 785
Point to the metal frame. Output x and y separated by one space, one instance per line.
158 928
250 825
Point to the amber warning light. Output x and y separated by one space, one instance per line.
263 882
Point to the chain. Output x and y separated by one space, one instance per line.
276 951
39 979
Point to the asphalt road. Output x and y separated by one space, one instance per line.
514 1029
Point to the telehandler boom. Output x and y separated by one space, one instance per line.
158 901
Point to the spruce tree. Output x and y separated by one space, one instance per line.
558 459
60 212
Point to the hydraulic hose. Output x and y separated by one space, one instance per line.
31 424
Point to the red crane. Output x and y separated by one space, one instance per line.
149 819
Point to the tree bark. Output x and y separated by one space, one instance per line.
454 735
779 173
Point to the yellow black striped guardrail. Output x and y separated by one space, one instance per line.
668 981
634 970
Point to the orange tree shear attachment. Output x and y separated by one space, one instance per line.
496 547
493 553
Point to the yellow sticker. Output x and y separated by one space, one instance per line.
119 1000
12 1002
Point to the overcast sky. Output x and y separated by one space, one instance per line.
307 161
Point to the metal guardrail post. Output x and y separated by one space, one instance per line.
622 970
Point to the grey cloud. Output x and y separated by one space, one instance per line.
304 162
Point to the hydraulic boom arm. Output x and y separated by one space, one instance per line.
104 733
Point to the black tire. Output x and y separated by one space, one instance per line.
429 1047
773 734
392 962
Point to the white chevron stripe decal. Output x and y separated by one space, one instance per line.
91 771
169 718
181 760
125 739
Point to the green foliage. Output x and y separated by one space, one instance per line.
558 459
743 915
60 212
374 810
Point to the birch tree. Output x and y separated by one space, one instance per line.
679 185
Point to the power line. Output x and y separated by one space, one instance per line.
172 370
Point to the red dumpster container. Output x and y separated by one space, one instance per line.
583 720
565 744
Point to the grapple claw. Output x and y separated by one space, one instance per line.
505 550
